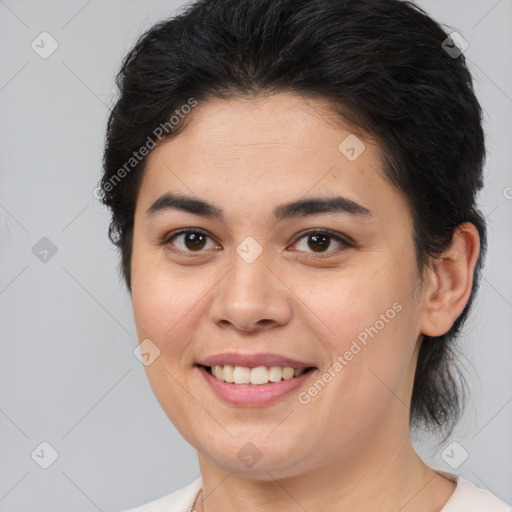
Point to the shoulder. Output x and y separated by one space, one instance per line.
177 501
467 497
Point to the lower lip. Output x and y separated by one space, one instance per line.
253 395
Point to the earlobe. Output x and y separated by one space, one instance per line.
451 281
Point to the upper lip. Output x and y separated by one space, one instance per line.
252 360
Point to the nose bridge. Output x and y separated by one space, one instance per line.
250 270
250 295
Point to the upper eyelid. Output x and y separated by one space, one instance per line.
343 238
184 231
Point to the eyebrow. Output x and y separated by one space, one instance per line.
300 208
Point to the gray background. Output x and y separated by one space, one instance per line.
68 375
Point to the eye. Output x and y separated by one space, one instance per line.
321 240
192 240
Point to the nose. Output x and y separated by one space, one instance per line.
251 296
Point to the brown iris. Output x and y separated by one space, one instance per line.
320 242
194 241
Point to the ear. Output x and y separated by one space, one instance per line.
450 281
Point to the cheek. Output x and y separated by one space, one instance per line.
368 320
163 306
347 303
162 300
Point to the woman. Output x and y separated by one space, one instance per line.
293 192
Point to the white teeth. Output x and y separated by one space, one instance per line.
257 376
227 373
288 373
241 375
218 372
275 374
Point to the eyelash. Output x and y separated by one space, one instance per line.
345 243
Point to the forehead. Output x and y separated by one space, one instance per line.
251 155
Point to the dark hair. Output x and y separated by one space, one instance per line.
384 68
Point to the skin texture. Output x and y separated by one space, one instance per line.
349 448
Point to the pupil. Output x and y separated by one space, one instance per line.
322 240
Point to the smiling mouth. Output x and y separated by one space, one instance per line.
257 376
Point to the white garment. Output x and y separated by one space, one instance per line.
466 498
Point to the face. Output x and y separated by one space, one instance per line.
333 289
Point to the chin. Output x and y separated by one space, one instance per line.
255 456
